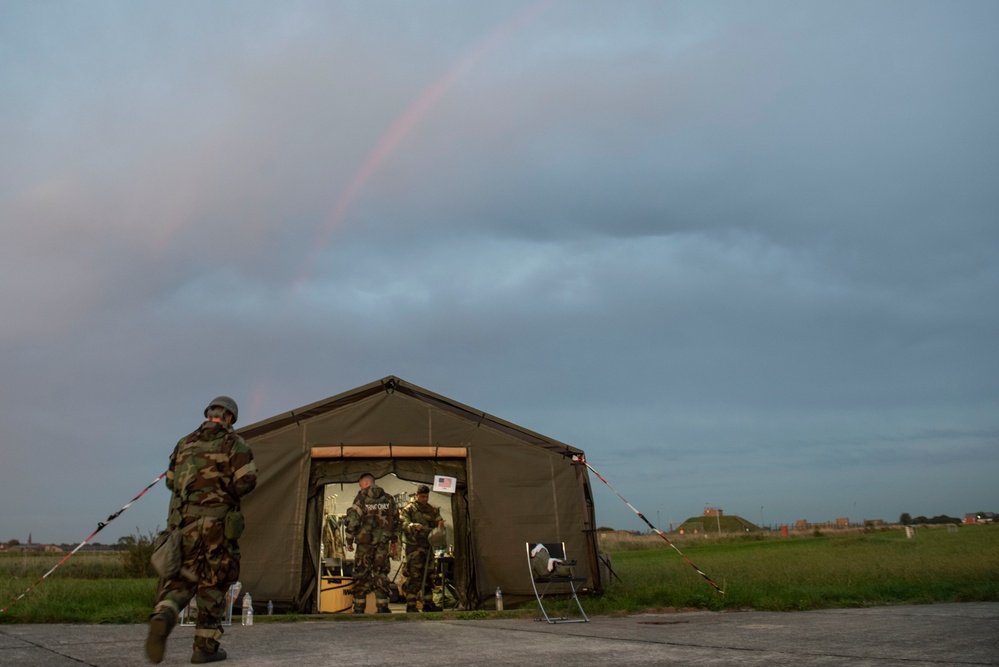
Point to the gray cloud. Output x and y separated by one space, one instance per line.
743 255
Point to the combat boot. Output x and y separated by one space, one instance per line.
160 625
202 656
383 609
430 606
411 609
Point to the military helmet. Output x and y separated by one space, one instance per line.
225 403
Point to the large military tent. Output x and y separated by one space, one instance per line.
512 486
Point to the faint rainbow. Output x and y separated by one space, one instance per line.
401 127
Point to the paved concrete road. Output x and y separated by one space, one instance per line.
913 636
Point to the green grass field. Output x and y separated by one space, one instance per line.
849 570
772 573
90 587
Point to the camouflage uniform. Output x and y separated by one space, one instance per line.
210 471
419 555
371 523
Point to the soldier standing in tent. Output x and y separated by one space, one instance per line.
210 471
371 522
417 519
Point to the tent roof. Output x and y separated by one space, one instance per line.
393 384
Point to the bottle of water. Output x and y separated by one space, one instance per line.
499 599
270 607
234 591
247 609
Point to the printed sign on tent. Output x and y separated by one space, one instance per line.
445 484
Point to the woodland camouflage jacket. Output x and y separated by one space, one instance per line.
211 467
373 518
414 514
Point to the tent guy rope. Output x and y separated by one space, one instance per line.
578 458
100 527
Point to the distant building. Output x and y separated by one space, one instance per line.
25 548
713 511
838 524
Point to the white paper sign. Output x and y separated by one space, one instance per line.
445 484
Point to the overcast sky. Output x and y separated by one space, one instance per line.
744 254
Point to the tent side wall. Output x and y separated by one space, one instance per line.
518 494
272 545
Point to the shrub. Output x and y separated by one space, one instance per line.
135 552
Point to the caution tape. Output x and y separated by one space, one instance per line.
578 458
100 527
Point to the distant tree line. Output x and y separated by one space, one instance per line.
907 520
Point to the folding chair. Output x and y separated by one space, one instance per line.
549 568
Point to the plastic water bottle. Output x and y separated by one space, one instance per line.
499 599
270 607
247 609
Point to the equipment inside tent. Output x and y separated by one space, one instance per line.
498 485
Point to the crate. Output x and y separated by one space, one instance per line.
335 596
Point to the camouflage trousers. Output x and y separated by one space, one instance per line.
371 569
419 558
210 565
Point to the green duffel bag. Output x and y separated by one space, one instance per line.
167 553
444 597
